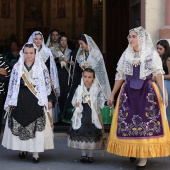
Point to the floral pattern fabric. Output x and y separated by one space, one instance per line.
139 112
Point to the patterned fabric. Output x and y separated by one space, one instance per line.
141 147
45 53
28 132
6 67
96 62
139 121
95 104
136 120
40 75
150 62
88 136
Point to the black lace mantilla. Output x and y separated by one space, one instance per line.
28 132
87 136
86 139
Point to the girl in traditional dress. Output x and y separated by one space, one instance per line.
47 57
28 125
61 55
88 56
139 127
164 52
86 130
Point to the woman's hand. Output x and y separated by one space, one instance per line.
76 104
3 72
62 59
166 98
50 105
71 62
110 100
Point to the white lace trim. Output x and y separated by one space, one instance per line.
97 102
96 62
58 53
45 54
149 58
40 77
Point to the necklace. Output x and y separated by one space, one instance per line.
136 62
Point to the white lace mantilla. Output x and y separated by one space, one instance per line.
45 53
150 62
40 76
58 53
96 62
49 44
97 101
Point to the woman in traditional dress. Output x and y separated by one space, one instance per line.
61 55
53 39
28 127
47 57
86 129
139 127
88 56
163 49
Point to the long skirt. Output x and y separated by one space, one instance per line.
87 136
139 126
43 140
167 84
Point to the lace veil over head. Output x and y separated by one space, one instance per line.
45 53
48 41
40 75
149 58
96 62
94 95
31 39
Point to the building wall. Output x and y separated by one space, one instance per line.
153 12
7 19
26 16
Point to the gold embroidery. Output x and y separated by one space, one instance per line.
59 52
52 85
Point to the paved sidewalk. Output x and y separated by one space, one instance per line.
64 158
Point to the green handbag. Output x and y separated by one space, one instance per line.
107 115
70 111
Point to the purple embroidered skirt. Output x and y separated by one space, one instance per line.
139 112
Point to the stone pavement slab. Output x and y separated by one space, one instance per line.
64 158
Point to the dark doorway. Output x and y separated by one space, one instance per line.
117 26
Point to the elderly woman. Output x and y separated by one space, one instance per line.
28 100
139 127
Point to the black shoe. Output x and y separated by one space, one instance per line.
90 159
132 159
22 155
35 160
83 159
140 167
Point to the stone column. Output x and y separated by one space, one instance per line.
165 31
